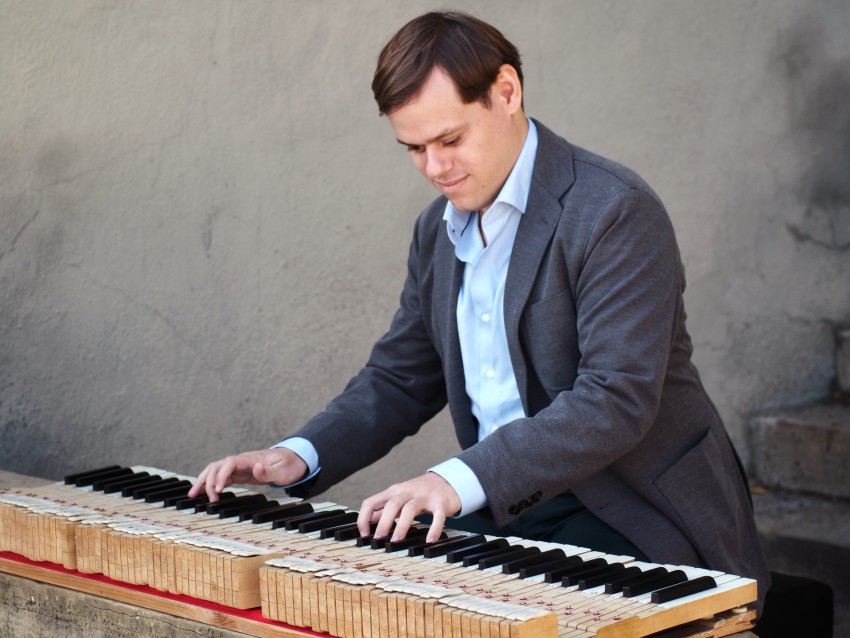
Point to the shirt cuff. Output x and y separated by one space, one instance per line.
303 448
464 482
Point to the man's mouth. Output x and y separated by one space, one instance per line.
449 186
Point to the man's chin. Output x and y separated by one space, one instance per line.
462 205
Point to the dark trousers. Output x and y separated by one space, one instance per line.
562 519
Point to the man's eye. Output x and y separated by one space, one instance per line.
414 149
452 142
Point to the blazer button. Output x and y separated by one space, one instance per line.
537 496
514 510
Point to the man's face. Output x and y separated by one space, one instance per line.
466 151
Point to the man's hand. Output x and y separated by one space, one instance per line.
403 501
277 465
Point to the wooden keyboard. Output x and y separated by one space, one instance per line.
304 564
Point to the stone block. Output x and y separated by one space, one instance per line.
804 450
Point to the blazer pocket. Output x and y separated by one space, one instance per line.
548 332
683 486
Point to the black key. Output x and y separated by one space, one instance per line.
324 523
214 508
616 586
349 533
457 555
383 542
186 502
281 521
513 566
414 534
192 503
293 523
472 559
246 510
379 543
88 479
519 552
416 531
411 542
441 548
609 579
601 577
236 509
117 487
603 572
695 586
542 568
556 575
329 532
181 488
366 541
100 485
284 512
259 509
156 479
140 491
673 578
71 479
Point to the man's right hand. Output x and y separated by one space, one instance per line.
280 465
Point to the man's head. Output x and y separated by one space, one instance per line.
451 87
469 51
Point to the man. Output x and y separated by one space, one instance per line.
544 304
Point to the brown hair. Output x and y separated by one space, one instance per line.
469 50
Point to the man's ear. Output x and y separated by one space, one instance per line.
507 88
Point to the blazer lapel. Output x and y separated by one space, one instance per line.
448 277
552 177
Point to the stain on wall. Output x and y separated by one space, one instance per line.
818 83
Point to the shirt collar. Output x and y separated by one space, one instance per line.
514 193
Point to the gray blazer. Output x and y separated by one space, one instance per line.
595 323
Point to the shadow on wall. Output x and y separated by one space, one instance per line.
819 87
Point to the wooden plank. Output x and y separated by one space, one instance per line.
725 624
679 613
209 614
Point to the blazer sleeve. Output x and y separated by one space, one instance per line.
598 337
401 387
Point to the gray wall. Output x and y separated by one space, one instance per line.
205 222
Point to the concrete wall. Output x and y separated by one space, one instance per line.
205 222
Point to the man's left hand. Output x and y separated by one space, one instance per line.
403 501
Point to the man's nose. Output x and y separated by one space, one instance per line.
437 162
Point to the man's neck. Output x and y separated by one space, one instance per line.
518 136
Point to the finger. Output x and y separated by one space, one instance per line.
438 522
220 478
364 519
405 520
198 485
386 520
209 484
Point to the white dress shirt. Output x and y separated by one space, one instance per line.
490 381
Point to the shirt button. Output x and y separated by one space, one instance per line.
485 317
491 374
